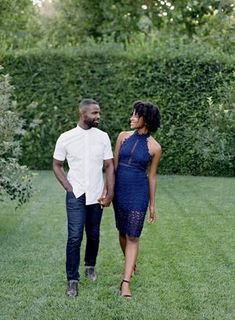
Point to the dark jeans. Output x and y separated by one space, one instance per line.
79 216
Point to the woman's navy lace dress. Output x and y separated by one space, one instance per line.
131 185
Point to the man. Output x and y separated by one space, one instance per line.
87 151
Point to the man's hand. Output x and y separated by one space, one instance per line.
69 188
61 176
105 201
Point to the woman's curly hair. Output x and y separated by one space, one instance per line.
150 113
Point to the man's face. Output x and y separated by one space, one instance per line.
91 115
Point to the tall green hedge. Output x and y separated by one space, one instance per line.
193 90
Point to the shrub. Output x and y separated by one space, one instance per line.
178 80
15 180
215 138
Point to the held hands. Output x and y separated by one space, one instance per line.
152 215
105 199
104 202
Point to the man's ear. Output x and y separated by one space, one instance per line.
81 112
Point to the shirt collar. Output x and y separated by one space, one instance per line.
83 130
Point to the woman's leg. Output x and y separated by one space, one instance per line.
122 242
131 253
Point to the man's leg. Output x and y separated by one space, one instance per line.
76 214
92 226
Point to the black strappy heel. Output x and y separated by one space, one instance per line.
124 295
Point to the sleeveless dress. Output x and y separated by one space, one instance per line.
132 185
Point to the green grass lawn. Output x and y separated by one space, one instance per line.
185 268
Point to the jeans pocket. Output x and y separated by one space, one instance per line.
70 195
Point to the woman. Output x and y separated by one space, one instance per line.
137 155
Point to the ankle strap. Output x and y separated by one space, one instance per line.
125 281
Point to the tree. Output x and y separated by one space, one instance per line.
190 15
121 20
15 180
59 23
14 18
76 20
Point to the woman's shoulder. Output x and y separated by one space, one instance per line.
154 145
124 135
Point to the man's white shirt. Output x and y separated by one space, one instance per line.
84 151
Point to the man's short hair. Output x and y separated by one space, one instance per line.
87 102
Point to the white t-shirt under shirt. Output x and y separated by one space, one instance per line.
85 151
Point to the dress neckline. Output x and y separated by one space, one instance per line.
144 135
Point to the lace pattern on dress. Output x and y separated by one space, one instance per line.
130 223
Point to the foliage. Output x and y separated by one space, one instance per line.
216 136
15 16
218 32
178 80
15 180
71 22
189 15
62 24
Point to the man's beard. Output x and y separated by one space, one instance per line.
92 124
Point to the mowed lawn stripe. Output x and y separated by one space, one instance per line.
192 239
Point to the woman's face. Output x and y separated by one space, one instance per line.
137 122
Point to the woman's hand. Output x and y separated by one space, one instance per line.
152 215
105 199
